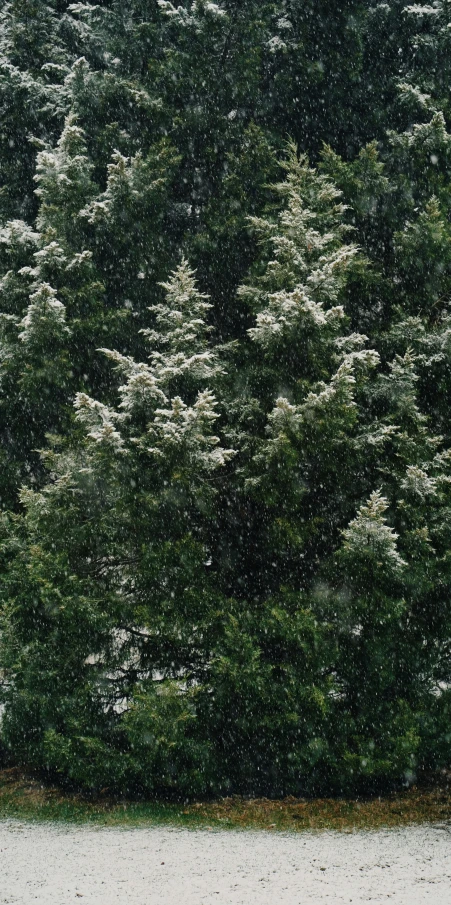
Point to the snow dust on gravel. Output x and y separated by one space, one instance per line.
48 864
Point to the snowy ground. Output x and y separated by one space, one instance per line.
48 864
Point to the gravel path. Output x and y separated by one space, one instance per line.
47 864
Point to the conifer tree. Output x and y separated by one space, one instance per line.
66 260
305 374
130 508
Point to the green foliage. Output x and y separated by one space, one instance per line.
224 394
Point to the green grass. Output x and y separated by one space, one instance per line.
24 796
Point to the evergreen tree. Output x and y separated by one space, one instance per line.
129 510
70 297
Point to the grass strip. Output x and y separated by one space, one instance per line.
23 795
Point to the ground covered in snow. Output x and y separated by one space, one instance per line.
56 864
